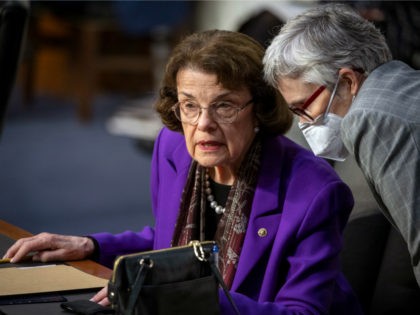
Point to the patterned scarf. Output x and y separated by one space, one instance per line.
232 226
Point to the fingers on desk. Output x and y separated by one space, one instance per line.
21 249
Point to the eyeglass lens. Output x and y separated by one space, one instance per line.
222 112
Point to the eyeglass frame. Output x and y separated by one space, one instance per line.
177 106
301 111
322 116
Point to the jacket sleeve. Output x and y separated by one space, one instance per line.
387 149
111 246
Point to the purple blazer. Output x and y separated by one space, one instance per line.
289 263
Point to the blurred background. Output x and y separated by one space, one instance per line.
76 145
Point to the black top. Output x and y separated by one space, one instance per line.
220 193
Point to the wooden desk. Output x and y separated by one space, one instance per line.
87 266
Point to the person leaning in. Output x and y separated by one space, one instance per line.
336 73
223 171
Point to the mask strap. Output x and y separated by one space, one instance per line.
332 97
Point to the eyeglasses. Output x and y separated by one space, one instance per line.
222 112
301 111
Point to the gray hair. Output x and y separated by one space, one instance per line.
313 46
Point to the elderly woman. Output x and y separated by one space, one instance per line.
222 171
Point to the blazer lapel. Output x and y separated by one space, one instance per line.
177 167
264 218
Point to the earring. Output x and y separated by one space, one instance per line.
256 129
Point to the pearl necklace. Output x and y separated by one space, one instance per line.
213 203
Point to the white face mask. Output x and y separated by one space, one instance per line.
324 138
323 135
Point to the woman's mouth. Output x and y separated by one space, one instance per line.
209 145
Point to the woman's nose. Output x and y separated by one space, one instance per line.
205 119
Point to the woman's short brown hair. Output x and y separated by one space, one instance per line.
236 60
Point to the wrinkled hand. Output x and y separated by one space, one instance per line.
51 247
101 297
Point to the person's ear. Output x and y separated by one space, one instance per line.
353 78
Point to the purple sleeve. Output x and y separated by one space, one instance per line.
113 245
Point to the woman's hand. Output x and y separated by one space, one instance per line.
101 297
51 247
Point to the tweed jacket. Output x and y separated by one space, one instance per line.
289 262
382 130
